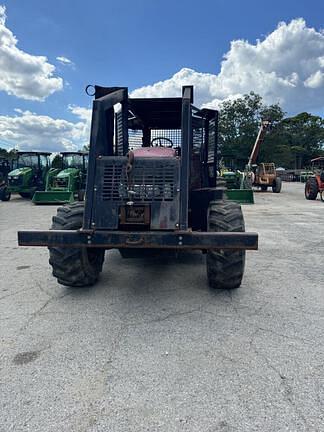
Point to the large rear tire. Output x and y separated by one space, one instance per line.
74 267
225 268
276 185
311 188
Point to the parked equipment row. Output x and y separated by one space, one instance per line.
31 176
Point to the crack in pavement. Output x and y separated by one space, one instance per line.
288 391
38 311
13 294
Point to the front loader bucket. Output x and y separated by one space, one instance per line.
242 196
53 197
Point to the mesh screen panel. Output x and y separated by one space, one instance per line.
172 134
197 139
135 138
119 134
211 140
150 180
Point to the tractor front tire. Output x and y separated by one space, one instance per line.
5 194
74 267
276 185
225 268
264 188
311 188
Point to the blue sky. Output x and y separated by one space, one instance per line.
138 43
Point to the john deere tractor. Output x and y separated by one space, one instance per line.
5 168
151 186
29 173
67 184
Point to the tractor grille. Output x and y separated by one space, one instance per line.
61 182
16 182
150 180
114 186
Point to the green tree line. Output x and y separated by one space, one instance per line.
291 142
8 154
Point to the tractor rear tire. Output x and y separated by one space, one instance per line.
311 188
225 268
276 185
264 188
74 267
26 195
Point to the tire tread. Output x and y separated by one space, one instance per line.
71 266
225 268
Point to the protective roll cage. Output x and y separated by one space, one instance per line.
110 139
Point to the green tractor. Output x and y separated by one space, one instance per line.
5 168
238 187
29 173
65 184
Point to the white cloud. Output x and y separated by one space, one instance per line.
316 80
24 75
286 67
29 131
65 61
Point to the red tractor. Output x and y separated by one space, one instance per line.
315 183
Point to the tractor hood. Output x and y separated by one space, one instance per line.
67 173
154 152
19 172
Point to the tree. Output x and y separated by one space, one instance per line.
291 142
8 154
239 123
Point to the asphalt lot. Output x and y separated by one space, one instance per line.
151 348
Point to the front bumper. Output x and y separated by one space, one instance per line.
140 239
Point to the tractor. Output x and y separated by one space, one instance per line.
238 187
315 184
29 173
151 187
265 176
67 184
5 168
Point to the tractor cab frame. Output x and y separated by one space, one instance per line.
28 173
75 160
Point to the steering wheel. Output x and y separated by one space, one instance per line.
159 139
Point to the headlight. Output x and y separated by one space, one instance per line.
15 177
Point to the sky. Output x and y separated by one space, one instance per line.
50 51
